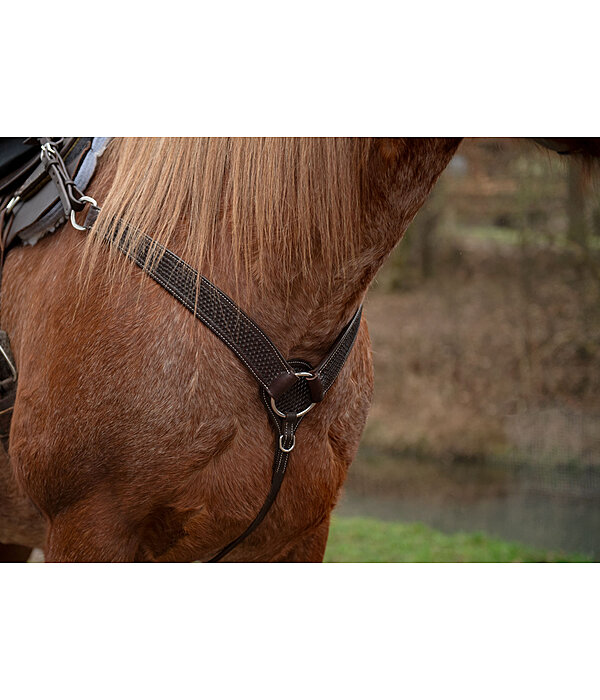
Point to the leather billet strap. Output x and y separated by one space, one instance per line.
289 388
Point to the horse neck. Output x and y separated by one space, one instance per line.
304 317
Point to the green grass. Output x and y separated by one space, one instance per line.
368 540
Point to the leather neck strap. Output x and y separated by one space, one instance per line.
289 389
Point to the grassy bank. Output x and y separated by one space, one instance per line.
368 540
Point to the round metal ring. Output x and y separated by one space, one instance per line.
287 449
306 375
283 415
74 223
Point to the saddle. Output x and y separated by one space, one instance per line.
41 183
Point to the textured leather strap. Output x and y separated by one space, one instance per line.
227 321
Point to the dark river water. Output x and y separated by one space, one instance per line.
552 509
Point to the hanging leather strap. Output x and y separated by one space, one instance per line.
280 463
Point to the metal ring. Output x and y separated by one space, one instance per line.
74 223
287 449
309 376
306 375
283 415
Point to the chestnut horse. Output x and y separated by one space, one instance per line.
137 435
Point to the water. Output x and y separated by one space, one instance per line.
547 508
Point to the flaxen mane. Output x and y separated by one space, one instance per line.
292 199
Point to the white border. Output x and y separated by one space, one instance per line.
315 68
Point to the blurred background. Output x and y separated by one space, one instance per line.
483 441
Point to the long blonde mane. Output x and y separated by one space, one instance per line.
255 199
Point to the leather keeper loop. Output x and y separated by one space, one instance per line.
317 391
91 217
281 384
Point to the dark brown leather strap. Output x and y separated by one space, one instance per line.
226 320
279 468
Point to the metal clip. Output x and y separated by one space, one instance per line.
74 223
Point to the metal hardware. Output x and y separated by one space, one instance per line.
70 195
47 149
283 415
287 449
74 223
309 376
11 204
13 369
316 389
